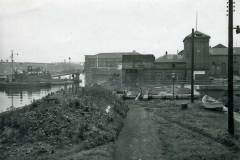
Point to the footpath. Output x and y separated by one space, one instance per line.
138 139
156 130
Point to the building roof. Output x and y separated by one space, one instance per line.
181 53
197 34
170 58
223 51
116 54
220 46
139 58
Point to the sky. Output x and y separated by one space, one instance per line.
53 30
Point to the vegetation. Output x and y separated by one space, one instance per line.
61 120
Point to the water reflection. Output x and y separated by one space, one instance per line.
18 97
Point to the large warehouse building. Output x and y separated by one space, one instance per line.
133 68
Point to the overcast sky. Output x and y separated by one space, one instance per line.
53 30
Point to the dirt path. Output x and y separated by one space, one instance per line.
138 139
161 130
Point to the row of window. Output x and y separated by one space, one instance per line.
221 68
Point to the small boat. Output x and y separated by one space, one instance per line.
145 97
211 103
129 95
237 116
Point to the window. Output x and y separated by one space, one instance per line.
224 68
213 68
235 68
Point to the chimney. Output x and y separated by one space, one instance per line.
166 53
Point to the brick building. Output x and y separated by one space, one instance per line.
201 50
218 61
212 61
104 67
135 69
142 70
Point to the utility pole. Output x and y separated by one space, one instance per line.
192 69
173 88
69 64
230 68
12 61
11 65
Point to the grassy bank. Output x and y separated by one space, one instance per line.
194 133
62 125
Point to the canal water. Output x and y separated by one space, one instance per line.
19 97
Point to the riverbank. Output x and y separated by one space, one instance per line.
68 124
162 130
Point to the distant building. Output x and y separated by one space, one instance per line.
201 50
141 70
103 67
36 70
135 69
211 61
53 68
218 61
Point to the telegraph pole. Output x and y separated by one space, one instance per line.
12 65
192 69
173 79
230 69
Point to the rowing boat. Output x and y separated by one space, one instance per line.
211 103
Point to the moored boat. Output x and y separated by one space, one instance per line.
23 84
211 103
129 95
146 96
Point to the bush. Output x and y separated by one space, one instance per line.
81 119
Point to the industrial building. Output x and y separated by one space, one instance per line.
135 69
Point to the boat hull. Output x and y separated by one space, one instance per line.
211 103
23 84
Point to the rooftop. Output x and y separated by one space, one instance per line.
116 54
170 58
139 58
197 34
220 46
181 53
223 51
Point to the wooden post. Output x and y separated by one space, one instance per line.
230 69
192 69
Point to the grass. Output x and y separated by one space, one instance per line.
194 133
